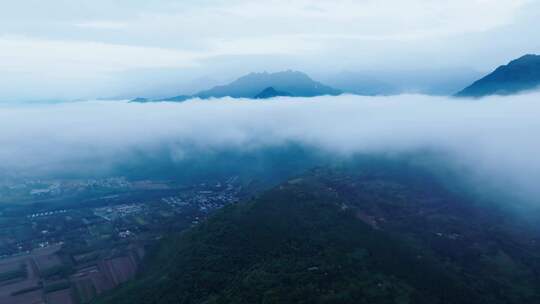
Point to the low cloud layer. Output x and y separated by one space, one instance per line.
494 137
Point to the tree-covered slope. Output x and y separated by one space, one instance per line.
389 234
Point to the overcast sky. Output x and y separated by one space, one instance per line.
71 49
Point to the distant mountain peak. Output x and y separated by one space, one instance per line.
271 92
518 75
293 82
284 83
526 58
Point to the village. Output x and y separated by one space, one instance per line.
71 253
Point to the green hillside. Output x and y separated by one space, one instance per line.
388 234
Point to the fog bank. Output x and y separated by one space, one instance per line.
495 137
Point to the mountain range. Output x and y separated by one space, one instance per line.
518 75
286 83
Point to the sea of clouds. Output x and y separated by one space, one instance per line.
494 136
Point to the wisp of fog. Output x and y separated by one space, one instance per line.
494 136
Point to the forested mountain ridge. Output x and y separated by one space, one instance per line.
382 234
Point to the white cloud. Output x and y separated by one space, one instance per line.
102 25
381 19
82 57
496 136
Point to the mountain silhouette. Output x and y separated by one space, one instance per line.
286 83
519 75
271 92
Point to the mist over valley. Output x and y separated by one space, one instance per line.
299 151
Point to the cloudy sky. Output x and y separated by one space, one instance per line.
76 49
